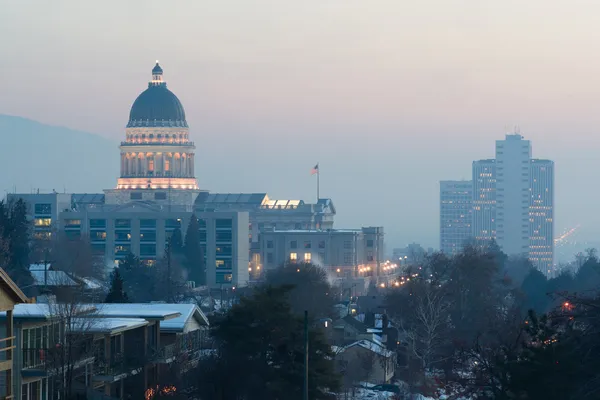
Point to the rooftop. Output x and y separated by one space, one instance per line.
51 278
186 312
132 310
106 325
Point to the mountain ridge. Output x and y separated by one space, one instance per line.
36 156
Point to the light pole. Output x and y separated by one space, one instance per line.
305 388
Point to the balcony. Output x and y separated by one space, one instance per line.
119 366
167 354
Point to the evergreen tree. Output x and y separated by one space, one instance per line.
176 241
194 257
261 342
14 229
117 293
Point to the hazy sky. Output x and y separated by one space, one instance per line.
389 96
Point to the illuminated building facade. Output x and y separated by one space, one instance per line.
344 253
484 201
456 207
541 216
157 156
513 155
513 202
157 192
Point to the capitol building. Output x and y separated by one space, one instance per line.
157 193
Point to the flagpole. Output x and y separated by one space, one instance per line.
318 177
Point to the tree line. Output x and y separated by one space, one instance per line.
493 326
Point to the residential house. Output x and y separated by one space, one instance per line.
347 330
127 348
10 295
367 361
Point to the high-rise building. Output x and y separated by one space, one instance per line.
456 205
541 215
513 155
484 201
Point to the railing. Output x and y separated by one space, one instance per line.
35 358
119 364
157 144
167 352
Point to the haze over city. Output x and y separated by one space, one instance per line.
389 99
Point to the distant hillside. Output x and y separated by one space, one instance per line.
34 155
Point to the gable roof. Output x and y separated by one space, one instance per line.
356 324
371 346
133 310
11 288
52 278
187 311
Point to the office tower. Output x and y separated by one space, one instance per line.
513 155
456 203
541 215
484 201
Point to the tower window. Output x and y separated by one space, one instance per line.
151 165
167 165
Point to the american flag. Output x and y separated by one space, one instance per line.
315 169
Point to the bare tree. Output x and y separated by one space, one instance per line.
74 256
73 344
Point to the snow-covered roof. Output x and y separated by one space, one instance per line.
39 267
187 311
372 346
40 311
133 310
91 283
51 278
106 325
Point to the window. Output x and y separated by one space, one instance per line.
167 165
73 234
121 236
321 244
135 196
148 250
72 223
150 164
347 258
147 236
307 244
270 244
160 196
370 256
98 248
294 244
122 223
370 243
223 224
223 277
293 257
173 223
224 250
269 258
122 249
97 223
97 236
43 209
307 257
223 236
42 222
223 263
42 235
202 223
147 223
298 226
347 244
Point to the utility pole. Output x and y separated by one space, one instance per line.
305 390
169 269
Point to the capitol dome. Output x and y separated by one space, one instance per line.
157 106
